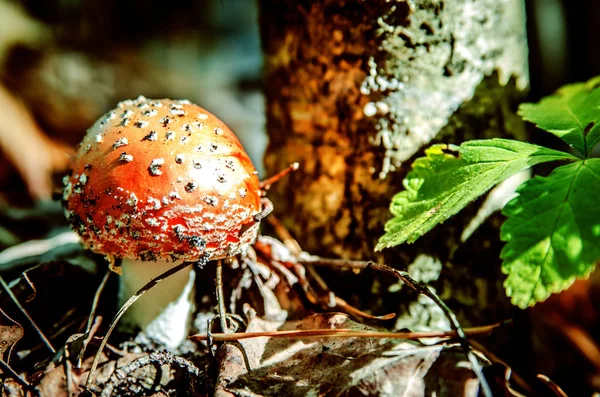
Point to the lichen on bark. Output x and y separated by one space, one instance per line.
427 68
356 89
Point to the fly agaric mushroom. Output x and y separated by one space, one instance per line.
158 182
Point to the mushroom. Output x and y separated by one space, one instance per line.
158 182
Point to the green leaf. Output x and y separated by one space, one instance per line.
441 184
552 232
572 114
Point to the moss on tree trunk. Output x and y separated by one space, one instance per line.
355 90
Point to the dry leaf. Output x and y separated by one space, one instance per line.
337 367
10 333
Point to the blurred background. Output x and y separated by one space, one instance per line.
63 63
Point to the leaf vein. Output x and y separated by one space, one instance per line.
552 234
581 128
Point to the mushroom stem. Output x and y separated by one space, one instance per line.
220 298
164 312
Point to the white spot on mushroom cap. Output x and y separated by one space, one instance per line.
152 222
154 204
152 136
67 191
176 111
125 103
211 200
155 165
120 142
132 200
126 158
221 177
178 229
190 187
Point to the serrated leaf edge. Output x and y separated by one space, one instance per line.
552 289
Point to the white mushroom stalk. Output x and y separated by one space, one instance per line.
163 312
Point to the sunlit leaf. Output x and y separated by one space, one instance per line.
449 178
552 232
572 114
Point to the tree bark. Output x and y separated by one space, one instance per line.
356 90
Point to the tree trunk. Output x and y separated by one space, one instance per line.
355 91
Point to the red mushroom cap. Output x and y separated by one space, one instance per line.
162 179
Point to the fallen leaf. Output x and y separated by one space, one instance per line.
337 367
10 333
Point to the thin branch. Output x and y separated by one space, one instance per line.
552 386
221 298
284 235
158 359
421 289
514 376
339 302
88 337
266 184
343 333
27 316
96 300
7 370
